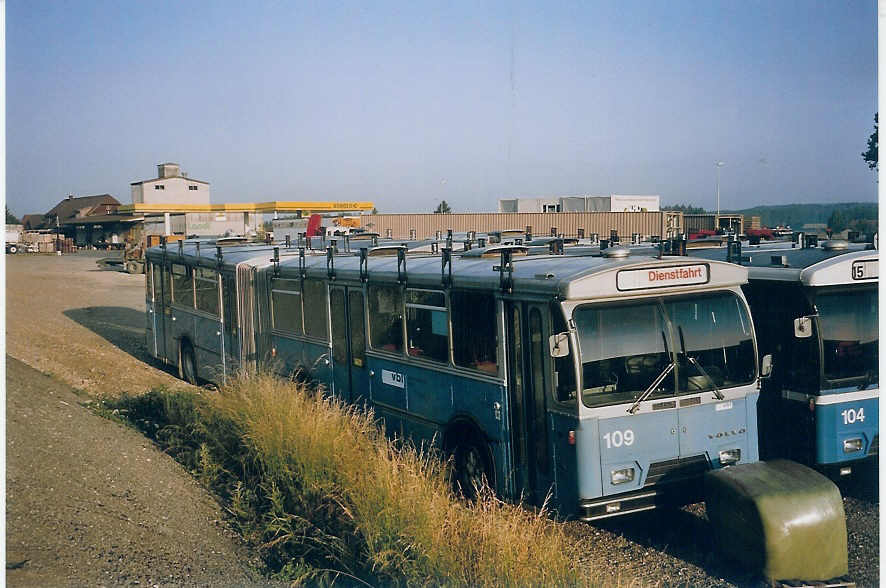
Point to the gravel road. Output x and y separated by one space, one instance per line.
83 325
90 502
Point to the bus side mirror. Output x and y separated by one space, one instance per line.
803 327
766 366
559 345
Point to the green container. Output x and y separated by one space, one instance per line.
780 518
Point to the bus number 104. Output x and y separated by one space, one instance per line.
851 415
618 438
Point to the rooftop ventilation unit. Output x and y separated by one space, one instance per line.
616 252
835 245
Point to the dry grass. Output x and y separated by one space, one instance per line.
328 498
397 498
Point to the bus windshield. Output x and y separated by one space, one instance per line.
624 348
714 340
849 336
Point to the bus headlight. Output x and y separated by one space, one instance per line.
852 445
730 456
622 476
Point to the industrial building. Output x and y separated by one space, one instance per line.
86 220
175 204
171 186
170 204
611 203
570 224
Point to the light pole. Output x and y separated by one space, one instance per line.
719 164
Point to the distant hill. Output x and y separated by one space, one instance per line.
797 215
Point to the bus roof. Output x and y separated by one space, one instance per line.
564 276
814 266
257 254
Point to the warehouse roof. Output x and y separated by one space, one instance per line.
71 207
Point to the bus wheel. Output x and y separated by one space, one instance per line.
473 469
187 365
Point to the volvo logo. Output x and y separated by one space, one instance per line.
723 434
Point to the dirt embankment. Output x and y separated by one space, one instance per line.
90 502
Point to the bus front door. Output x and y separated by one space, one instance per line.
349 373
528 391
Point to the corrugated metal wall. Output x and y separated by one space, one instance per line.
699 222
709 222
567 223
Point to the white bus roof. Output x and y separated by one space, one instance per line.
814 266
850 268
563 276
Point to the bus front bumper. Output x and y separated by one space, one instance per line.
648 498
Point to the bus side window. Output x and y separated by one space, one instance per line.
167 290
182 285
206 290
229 302
427 325
286 313
474 331
796 360
315 316
803 360
156 284
339 334
386 318
565 388
149 281
358 335
537 349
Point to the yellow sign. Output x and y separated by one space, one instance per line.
306 207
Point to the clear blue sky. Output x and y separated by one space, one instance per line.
405 104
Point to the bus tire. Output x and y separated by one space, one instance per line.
472 468
187 364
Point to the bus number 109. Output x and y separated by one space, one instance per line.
618 438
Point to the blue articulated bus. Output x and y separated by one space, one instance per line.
815 312
606 384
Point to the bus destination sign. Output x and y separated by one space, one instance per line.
866 269
662 277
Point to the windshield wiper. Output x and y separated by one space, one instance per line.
651 388
868 380
694 362
717 392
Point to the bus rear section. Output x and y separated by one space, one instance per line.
668 378
199 309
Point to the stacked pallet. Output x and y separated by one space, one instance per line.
49 242
33 237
